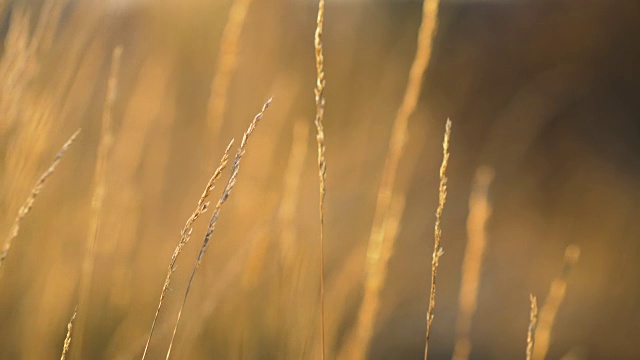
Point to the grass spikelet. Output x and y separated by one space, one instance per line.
28 204
374 266
533 323
437 248
227 62
97 199
322 165
185 235
67 339
233 177
553 301
479 213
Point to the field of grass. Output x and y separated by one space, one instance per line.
291 179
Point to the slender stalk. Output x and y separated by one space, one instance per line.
233 177
185 235
533 323
28 204
437 248
322 165
67 340
375 264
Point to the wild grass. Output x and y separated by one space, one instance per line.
533 323
67 340
375 267
185 235
236 313
28 204
233 177
322 165
438 250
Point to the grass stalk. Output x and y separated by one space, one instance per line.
322 165
233 177
67 340
185 236
374 266
533 323
28 204
437 247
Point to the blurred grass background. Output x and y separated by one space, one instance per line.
544 92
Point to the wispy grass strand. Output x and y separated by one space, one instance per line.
437 247
322 165
533 323
28 204
67 340
185 235
233 177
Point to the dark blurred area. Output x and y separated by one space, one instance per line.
547 93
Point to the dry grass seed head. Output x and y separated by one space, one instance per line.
438 251
28 204
185 235
533 323
233 177
67 341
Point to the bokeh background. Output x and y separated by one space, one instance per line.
544 92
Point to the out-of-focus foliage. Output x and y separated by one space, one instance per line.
543 92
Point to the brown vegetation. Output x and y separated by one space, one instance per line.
157 85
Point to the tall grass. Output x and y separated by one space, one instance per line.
67 340
375 266
322 165
437 247
185 235
281 288
533 323
233 177
28 204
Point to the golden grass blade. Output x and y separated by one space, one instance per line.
67 339
227 63
322 165
28 204
479 213
185 235
374 266
97 199
552 303
533 323
437 248
233 177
